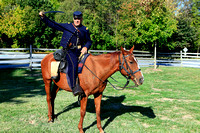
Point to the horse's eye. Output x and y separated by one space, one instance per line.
131 62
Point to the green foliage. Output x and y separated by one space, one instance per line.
21 25
12 23
17 25
188 26
146 22
196 22
101 23
185 33
111 23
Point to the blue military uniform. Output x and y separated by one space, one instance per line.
74 39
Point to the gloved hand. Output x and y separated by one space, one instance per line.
41 13
84 50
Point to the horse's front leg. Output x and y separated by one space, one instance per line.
82 112
97 101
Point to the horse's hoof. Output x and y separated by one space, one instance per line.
55 117
102 132
50 121
81 131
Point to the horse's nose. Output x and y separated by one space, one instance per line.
141 80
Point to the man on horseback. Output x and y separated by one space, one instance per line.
75 41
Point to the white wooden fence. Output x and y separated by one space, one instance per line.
190 59
31 58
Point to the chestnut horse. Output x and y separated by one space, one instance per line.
93 79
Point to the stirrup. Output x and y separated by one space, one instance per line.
80 98
54 77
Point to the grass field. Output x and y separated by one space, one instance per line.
168 101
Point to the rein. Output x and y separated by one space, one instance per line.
131 73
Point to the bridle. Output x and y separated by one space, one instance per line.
127 69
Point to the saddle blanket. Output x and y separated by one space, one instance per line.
54 68
82 62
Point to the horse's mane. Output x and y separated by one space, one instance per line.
105 58
111 53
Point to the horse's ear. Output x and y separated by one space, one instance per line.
122 49
131 50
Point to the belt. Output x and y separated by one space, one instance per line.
75 47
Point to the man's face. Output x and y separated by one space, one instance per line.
77 21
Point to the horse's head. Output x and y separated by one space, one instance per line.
129 67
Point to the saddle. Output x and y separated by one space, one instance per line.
59 56
60 64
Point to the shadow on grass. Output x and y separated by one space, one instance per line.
23 83
111 108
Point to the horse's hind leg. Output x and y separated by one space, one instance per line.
97 101
50 98
48 93
54 91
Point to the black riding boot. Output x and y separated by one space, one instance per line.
77 90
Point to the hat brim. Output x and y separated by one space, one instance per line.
77 17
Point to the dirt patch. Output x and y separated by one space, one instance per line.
198 122
155 89
141 103
164 118
188 101
179 100
173 127
155 93
129 91
152 70
187 117
165 99
146 125
32 122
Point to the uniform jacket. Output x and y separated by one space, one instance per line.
70 33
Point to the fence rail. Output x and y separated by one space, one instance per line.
31 57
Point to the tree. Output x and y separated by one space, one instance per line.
188 18
195 11
21 24
101 19
146 22
14 24
185 33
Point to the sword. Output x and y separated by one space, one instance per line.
53 12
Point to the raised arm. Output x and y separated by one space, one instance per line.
51 23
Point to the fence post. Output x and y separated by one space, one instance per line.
30 65
181 58
155 56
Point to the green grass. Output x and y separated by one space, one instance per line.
168 101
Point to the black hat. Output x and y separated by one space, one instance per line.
77 15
